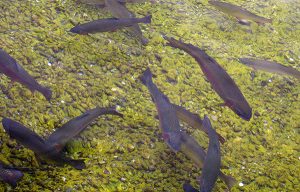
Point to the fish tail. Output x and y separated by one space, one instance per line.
113 111
229 181
147 19
146 77
77 164
46 92
12 176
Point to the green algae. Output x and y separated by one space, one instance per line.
103 69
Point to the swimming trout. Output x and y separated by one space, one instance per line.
120 11
74 127
101 3
270 66
191 148
242 15
193 120
35 143
221 82
212 162
105 25
168 120
13 70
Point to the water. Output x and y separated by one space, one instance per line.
103 69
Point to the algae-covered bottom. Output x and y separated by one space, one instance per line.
103 69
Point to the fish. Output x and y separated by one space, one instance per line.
168 120
193 120
105 25
13 70
270 66
101 3
120 11
219 79
242 15
75 126
191 148
34 142
10 175
212 162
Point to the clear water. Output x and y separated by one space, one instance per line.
103 70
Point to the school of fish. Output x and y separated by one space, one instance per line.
50 149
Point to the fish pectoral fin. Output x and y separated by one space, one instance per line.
243 22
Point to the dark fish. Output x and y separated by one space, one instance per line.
270 66
221 82
242 15
105 25
35 143
168 120
10 175
120 11
101 3
13 70
191 148
193 120
74 127
212 162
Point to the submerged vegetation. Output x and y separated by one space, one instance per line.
102 70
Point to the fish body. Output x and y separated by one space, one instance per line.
35 143
240 13
74 127
270 66
120 11
13 70
212 162
221 82
10 175
191 148
193 120
102 3
168 120
111 24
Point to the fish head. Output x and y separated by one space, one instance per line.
173 139
77 29
242 109
8 124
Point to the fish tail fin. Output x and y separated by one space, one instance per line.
46 92
113 111
229 181
147 19
12 176
146 77
77 164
